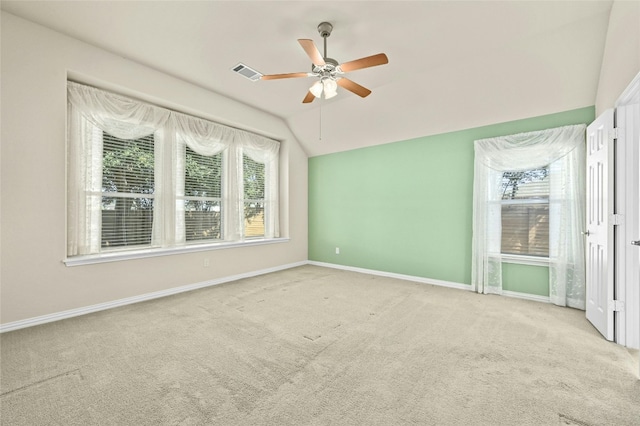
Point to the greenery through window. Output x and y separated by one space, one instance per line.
525 212
127 191
203 196
253 191
163 189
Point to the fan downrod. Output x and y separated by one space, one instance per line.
325 28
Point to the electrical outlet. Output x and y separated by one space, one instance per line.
337 250
205 262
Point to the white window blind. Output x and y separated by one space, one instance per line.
127 191
254 193
562 150
140 176
525 212
203 196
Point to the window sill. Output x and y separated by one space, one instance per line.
525 260
144 253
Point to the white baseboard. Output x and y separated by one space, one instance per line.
458 286
422 280
29 322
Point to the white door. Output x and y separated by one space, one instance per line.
636 235
636 241
599 233
633 263
627 323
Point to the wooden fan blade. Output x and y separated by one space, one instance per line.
353 87
309 98
369 61
312 51
289 75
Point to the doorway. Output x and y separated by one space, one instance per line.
613 198
627 288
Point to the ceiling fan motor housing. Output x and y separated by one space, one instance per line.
326 70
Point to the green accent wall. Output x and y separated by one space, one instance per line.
406 207
525 279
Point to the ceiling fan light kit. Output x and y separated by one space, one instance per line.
326 86
329 71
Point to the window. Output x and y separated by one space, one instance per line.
510 185
144 178
127 191
253 188
525 212
203 196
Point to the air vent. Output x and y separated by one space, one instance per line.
245 71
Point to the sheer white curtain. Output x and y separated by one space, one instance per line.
208 138
265 151
84 187
563 150
91 111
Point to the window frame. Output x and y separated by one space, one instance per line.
133 195
122 255
234 142
184 198
261 201
523 259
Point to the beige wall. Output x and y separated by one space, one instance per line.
621 59
34 281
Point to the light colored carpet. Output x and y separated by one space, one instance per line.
318 346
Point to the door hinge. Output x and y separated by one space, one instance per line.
616 305
615 133
616 219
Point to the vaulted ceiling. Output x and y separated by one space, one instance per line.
452 64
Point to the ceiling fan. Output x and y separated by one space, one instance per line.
328 71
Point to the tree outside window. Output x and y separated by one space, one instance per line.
525 212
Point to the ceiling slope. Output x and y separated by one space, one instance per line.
452 65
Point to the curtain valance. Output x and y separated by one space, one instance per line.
126 118
122 117
526 151
92 112
562 149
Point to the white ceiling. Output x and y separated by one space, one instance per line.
452 64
